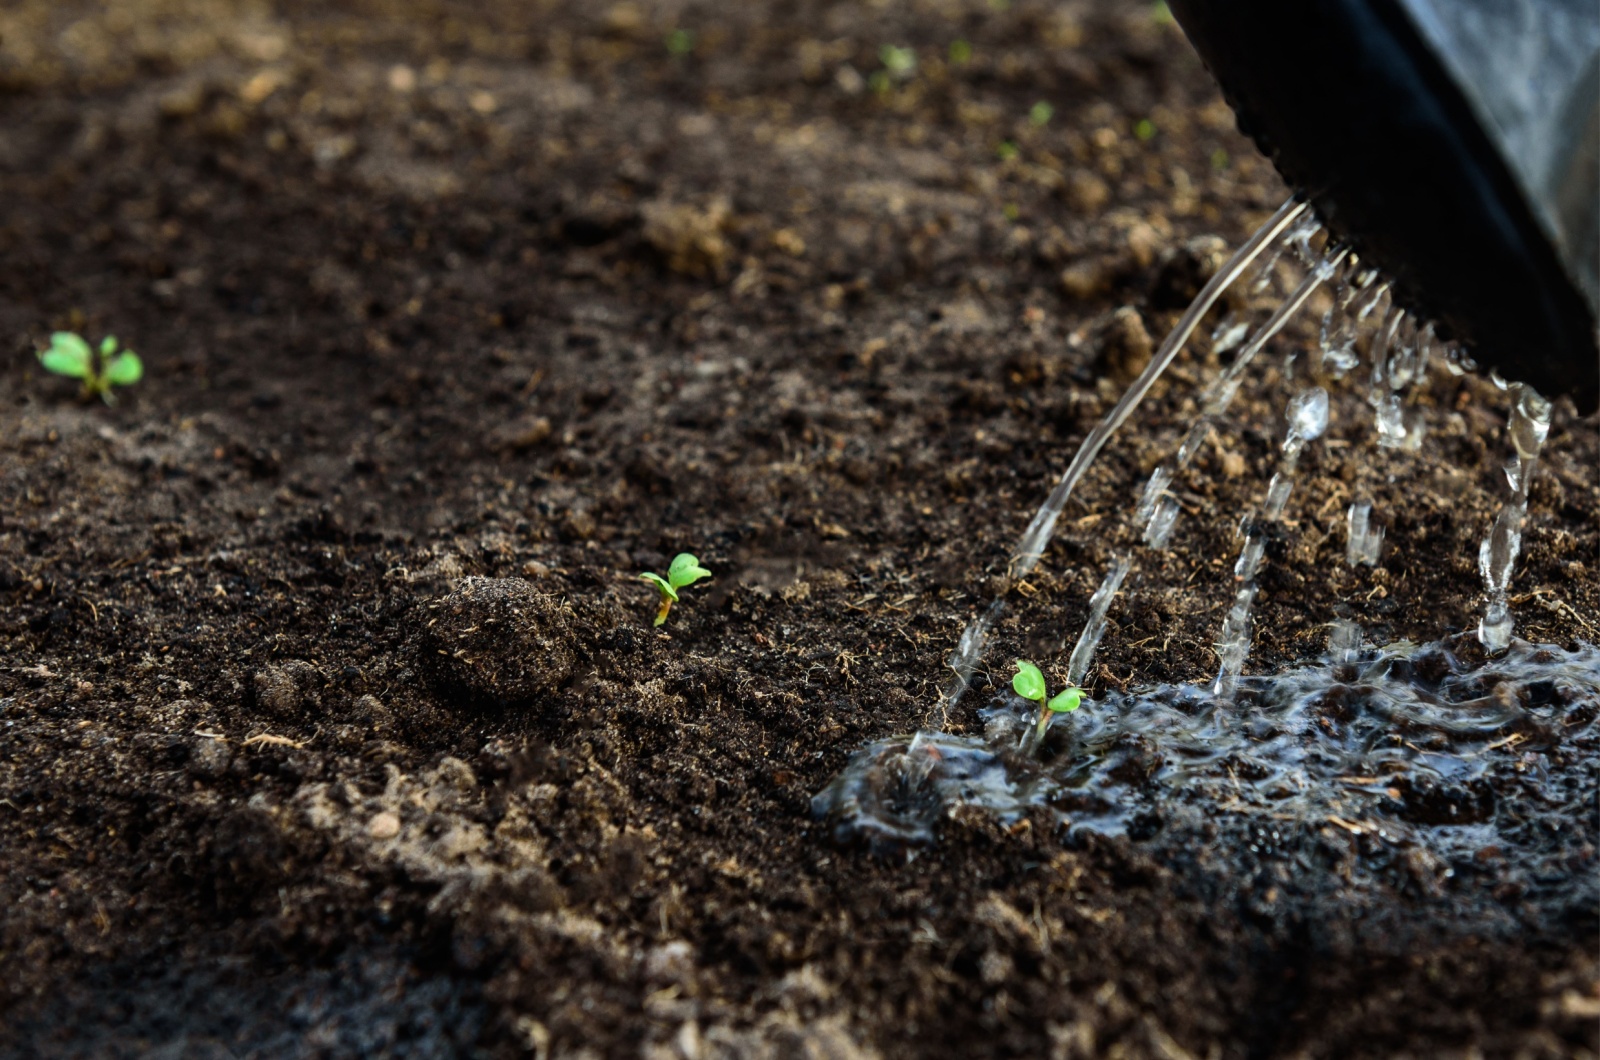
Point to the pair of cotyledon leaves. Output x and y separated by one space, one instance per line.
71 356
685 570
1029 684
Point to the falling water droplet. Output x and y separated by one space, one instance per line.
1233 645
1095 627
1364 537
1278 493
1308 417
1498 553
1163 517
1497 556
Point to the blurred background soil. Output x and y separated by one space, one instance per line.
544 293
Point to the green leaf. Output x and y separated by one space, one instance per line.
685 570
108 346
1029 682
70 343
1066 700
63 363
124 369
68 355
661 584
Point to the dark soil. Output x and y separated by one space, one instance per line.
333 720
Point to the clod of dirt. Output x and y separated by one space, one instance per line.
1127 344
521 434
1088 278
209 758
688 237
286 688
495 642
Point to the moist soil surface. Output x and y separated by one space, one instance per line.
334 721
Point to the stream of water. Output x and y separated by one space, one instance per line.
1401 354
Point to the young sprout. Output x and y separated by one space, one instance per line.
900 62
685 571
1029 684
680 42
69 355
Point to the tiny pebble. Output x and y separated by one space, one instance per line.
384 826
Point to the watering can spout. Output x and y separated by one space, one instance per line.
1454 143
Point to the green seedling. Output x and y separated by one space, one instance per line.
685 571
680 42
1029 684
1040 114
100 370
901 63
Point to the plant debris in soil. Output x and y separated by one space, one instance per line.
333 719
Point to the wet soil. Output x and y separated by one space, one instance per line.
334 723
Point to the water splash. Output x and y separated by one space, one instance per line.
1344 640
1413 746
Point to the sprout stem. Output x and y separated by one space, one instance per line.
1045 717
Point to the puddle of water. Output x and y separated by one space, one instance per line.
1407 746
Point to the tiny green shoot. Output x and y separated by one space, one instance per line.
680 42
1144 128
960 51
1029 684
900 62
1006 151
898 65
684 571
1040 114
100 370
